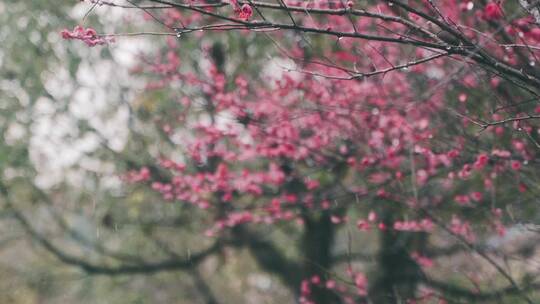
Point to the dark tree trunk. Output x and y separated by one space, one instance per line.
317 245
396 276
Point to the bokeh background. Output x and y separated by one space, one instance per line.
71 119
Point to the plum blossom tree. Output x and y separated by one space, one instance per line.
392 142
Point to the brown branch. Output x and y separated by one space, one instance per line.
379 72
514 285
467 49
102 269
473 295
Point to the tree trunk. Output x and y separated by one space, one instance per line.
396 277
317 244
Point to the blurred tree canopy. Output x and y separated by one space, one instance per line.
96 138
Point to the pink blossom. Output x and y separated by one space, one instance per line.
493 11
422 260
245 12
330 284
516 165
360 281
311 184
363 225
481 161
88 36
476 196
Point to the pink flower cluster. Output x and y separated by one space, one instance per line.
134 176
88 36
422 260
465 200
347 294
234 219
415 226
462 228
243 12
493 11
